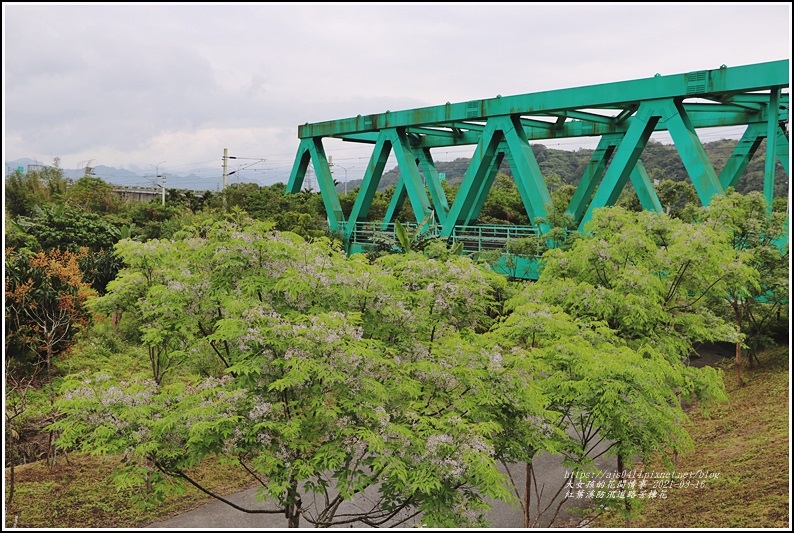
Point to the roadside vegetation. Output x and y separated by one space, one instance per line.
79 493
154 349
747 442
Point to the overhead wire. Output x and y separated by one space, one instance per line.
199 173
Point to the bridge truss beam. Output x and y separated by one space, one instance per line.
623 115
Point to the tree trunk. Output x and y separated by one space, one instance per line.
13 450
293 506
622 484
739 363
51 436
739 349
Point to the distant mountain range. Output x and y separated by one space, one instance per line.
122 177
661 161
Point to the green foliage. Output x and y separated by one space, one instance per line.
24 191
16 236
93 194
645 275
149 218
321 370
439 250
302 213
191 200
408 374
68 228
757 302
100 268
380 204
103 348
600 386
519 256
62 227
607 328
679 198
304 224
503 203
747 488
406 239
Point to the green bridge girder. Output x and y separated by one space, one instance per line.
623 115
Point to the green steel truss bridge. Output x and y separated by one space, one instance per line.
623 115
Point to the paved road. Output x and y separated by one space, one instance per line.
218 515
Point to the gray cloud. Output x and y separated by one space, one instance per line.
130 84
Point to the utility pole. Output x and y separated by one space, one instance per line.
332 164
158 175
225 168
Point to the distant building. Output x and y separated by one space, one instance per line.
137 194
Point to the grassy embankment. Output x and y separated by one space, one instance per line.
745 440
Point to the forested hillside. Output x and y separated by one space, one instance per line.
660 160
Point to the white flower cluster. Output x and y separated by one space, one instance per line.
495 359
213 382
382 415
449 454
259 410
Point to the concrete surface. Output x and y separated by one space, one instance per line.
218 515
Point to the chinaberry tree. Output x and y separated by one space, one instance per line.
609 325
757 302
323 376
407 378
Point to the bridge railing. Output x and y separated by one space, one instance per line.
486 237
364 232
475 238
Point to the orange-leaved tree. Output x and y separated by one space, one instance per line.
45 298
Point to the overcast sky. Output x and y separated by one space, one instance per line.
131 86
